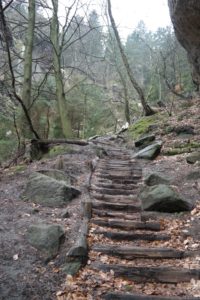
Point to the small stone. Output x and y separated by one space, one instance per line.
65 214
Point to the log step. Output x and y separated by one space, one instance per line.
150 274
116 206
128 252
115 198
118 177
119 215
114 186
108 191
126 236
127 225
120 296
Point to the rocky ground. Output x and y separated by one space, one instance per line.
24 271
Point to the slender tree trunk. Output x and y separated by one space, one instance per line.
147 109
27 80
126 104
62 108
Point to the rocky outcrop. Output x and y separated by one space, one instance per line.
47 191
46 238
163 198
185 16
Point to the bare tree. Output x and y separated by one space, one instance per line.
147 109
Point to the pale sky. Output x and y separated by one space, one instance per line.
128 13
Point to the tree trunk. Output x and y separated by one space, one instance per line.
27 80
185 16
60 93
147 109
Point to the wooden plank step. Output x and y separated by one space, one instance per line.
127 225
150 274
126 236
116 181
116 206
118 176
121 296
113 191
120 215
129 252
115 186
115 198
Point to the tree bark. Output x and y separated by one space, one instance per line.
147 109
60 93
27 80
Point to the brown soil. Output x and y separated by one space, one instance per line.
24 275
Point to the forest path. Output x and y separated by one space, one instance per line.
125 244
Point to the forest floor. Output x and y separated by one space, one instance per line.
24 275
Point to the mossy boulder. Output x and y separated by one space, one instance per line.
155 179
143 125
150 152
163 198
48 191
46 238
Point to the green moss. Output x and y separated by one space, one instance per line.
141 127
182 148
19 168
58 150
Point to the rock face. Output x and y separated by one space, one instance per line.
47 191
155 179
185 16
163 198
150 152
144 141
46 238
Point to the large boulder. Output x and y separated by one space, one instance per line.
150 152
145 141
56 174
155 179
164 199
46 238
47 191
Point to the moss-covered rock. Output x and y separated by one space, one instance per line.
141 126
